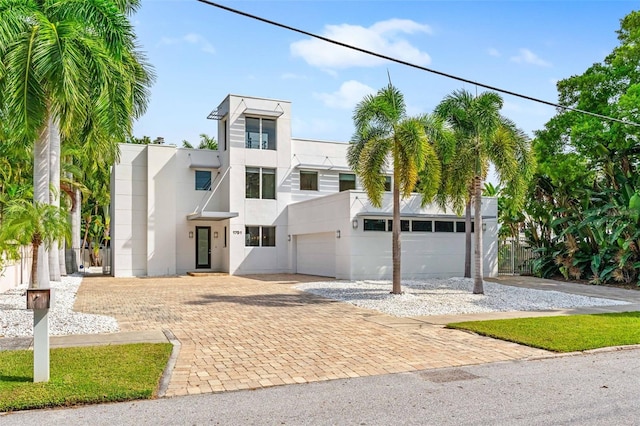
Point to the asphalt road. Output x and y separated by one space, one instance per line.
586 389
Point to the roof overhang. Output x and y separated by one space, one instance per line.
205 166
306 166
262 112
212 216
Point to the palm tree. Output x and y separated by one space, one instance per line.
384 133
206 142
69 68
483 137
36 224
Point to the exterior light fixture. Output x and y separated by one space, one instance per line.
354 223
484 226
289 237
190 234
215 234
338 233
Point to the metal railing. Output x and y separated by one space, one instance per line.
514 257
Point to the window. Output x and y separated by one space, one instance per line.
256 236
225 236
461 226
203 180
374 224
252 236
224 135
347 181
444 226
404 225
308 180
260 133
421 225
387 183
268 236
260 181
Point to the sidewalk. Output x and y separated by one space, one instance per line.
147 336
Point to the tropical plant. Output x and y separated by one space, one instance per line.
36 224
69 68
582 213
206 142
483 137
385 134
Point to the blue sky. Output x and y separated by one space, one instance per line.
201 54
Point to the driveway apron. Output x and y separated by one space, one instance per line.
258 331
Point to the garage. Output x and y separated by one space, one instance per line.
316 254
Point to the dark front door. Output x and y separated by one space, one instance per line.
203 247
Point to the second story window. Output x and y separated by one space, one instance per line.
308 181
203 180
347 181
260 133
260 183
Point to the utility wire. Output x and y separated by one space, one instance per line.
409 64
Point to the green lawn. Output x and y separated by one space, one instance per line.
564 333
83 375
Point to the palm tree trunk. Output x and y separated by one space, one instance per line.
395 236
54 193
467 239
478 287
40 272
34 266
76 221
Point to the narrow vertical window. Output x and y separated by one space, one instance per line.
269 184
252 182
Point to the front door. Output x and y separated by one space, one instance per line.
203 247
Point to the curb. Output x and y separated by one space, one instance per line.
168 369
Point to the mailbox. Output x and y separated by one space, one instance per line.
38 298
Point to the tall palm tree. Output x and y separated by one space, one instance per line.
483 137
37 224
69 68
383 134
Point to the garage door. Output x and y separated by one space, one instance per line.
316 254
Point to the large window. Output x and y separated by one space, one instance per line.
347 181
260 133
374 224
443 226
260 183
308 180
203 180
260 236
421 225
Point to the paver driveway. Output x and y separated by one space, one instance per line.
251 332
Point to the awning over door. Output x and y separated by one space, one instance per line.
215 216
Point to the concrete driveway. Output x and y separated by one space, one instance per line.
252 332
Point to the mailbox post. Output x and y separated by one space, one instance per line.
39 299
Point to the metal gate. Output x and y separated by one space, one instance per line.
514 257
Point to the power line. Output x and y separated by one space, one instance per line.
409 64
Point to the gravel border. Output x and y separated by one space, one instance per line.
16 320
450 296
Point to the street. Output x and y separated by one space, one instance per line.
584 389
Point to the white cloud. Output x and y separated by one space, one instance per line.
528 57
493 52
350 93
382 37
190 38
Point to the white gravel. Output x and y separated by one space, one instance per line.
447 297
16 320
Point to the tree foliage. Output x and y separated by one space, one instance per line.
582 210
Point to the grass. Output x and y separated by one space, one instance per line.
83 375
563 333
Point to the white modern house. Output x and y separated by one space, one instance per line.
269 203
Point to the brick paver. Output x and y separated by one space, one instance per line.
252 332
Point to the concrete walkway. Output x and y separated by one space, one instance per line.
252 332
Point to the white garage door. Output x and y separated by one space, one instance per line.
316 254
